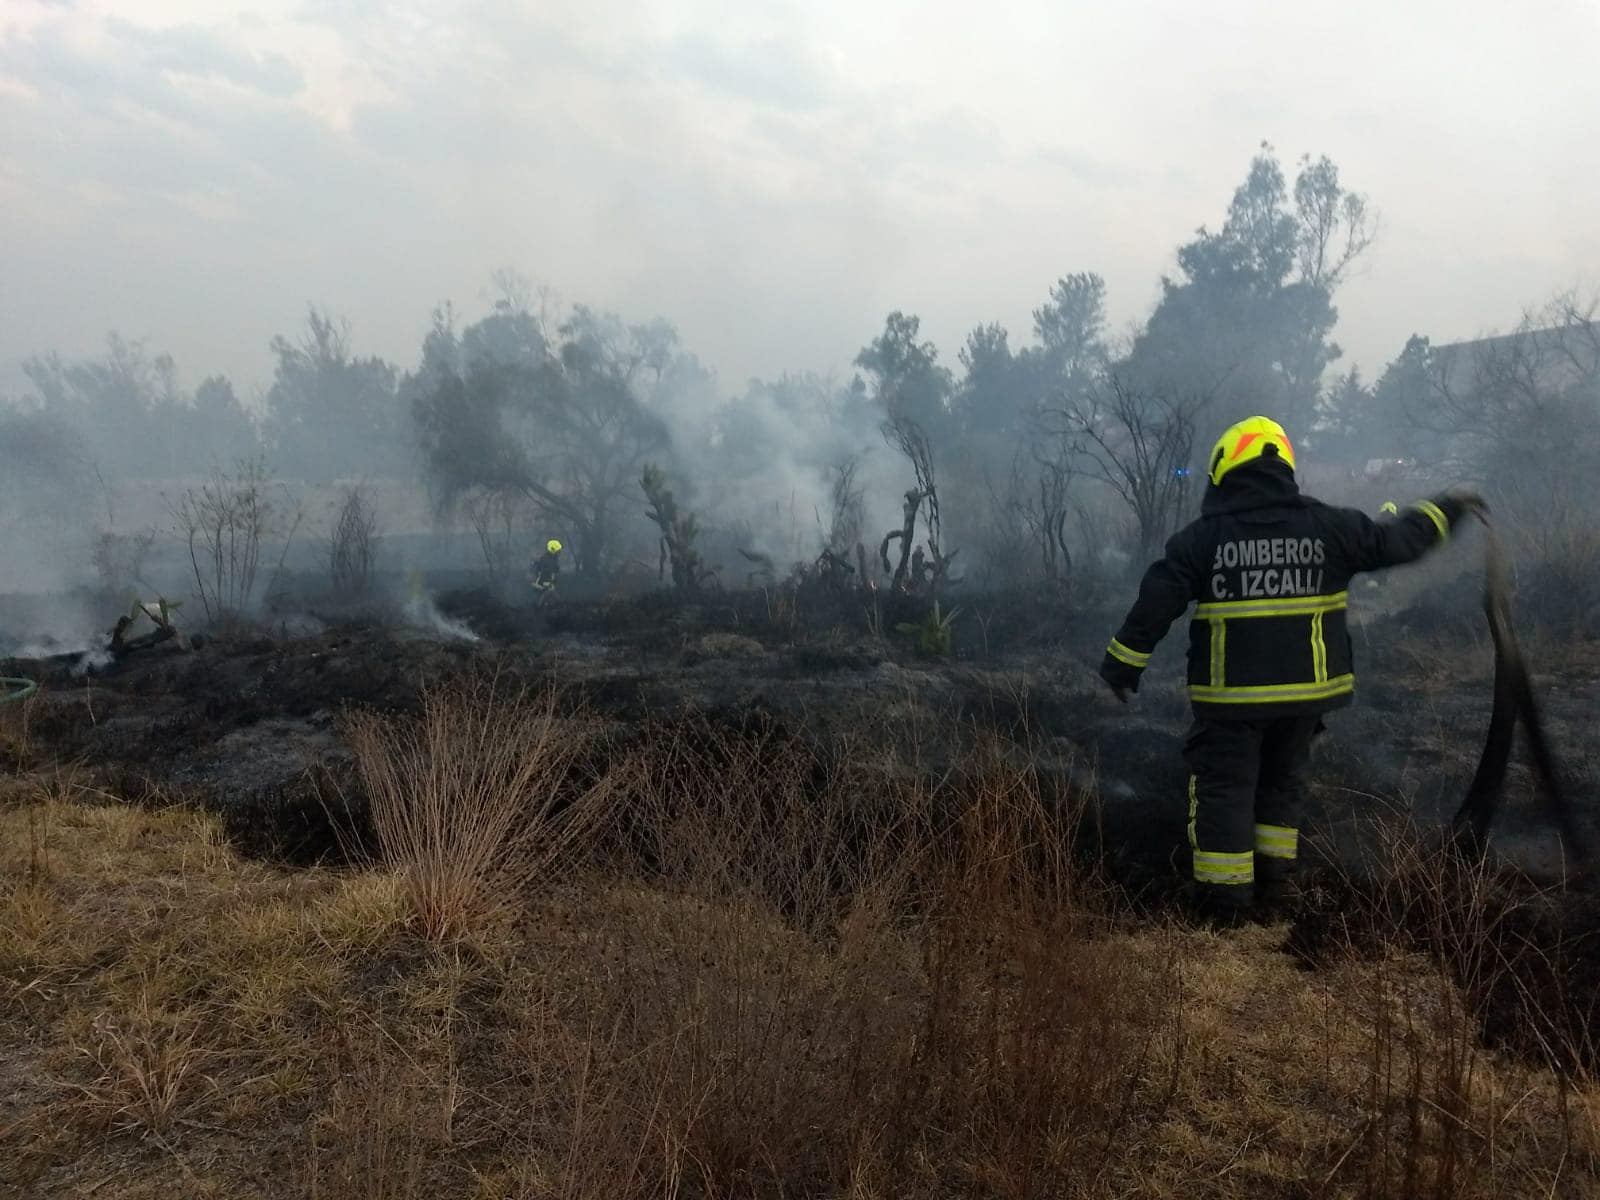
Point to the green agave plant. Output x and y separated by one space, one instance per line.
934 633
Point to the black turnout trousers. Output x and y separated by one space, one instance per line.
1246 793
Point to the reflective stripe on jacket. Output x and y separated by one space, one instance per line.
1268 571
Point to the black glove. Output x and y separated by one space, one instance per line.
1470 501
1120 677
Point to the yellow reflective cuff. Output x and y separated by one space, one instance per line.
1124 654
1277 841
1274 693
1319 650
1212 866
1435 514
1280 606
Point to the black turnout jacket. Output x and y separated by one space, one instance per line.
1267 570
546 568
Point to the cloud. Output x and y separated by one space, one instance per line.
148 120
203 53
776 72
773 178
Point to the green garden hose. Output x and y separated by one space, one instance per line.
16 689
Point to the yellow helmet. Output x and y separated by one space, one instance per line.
553 546
1246 441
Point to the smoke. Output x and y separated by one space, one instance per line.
92 661
422 612
46 485
763 465
46 505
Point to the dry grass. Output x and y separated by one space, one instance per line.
811 998
767 974
1457 949
146 1067
470 801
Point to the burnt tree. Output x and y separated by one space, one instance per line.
1140 444
679 531
907 436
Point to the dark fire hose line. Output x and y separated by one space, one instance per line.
16 689
1513 701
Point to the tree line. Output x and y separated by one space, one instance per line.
534 412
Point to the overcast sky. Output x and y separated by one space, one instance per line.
771 177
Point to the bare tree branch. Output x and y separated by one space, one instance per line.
1140 445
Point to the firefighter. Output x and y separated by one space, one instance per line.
1268 570
546 568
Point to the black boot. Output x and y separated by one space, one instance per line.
1214 907
1277 896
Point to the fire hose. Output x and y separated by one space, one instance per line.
1513 702
16 689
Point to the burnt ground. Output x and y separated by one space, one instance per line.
248 726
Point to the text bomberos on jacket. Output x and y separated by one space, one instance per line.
1261 568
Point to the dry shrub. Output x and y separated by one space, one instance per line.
1464 960
504 521
1525 957
474 800
380 1131
224 523
352 543
1561 586
732 1039
827 984
1048 1039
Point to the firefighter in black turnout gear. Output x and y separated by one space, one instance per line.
1268 572
545 571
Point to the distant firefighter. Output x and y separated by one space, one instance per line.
1268 571
546 568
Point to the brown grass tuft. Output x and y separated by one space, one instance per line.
471 800
147 1066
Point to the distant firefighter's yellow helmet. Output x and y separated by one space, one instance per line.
1246 442
553 546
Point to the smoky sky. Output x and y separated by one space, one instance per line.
773 178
